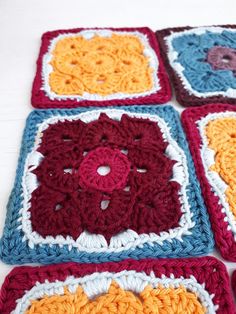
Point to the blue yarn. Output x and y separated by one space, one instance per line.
15 251
192 52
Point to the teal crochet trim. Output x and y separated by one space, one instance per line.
192 55
14 249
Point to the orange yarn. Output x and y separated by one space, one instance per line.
222 138
150 301
118 59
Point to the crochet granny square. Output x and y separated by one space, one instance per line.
211 132
201 62
193 286
99 67
96 185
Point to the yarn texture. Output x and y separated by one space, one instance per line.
96 185
201 62
100 65
211 133
233 282
108 66
150 286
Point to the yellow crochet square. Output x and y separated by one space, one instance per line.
100 65
221 134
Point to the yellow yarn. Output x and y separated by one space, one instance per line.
65 84
119 59
118 301
221 134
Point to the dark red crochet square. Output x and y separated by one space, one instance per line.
201 62
103 177
44 97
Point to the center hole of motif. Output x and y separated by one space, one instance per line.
134 80
126 62
226 59
104 204
99 62
73 62
233 135
58 207
103 170
141 170
101 80
137 138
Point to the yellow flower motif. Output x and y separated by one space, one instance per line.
136 82
68 64
63 84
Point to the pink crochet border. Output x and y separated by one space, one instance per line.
206 270
41 100
224 238
182 95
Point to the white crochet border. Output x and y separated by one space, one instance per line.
88 34
98 283
173 59
128 239
208 159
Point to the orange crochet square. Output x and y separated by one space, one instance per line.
100 65
221 136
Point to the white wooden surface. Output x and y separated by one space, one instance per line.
21 26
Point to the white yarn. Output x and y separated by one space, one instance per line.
173 59
99 283
87 34
208 159
125 240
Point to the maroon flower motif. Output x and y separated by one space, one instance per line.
134 192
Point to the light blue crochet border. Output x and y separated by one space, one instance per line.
15 251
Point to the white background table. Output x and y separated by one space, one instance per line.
21 26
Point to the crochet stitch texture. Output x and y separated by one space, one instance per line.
149 204
150 286
201 62
90 67
211 134
233 282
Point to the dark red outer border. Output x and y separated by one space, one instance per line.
233 283
40 100
182 95
206 270
223 237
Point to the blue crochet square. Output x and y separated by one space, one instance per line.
202 63
24 239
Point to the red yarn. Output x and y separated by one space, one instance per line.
223 235
233 282
103 156
39 98
207 270
137 191
183 96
